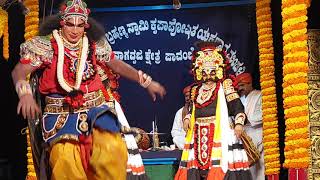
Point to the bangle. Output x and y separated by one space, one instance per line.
144 79
23 87
240 118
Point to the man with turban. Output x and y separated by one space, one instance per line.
252 101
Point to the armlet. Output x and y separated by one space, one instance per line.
104 51
230 92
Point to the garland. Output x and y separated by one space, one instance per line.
295 83
212 97
81 64
4 32
31 175
267 82
31 30
31 19
3 17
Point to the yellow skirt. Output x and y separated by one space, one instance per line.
107 162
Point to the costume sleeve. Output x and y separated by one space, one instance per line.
235 107
36 51
104 51
177 132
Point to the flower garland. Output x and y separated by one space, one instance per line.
3 16
210 100
267 82
80 68
295 83
31 19
4 31
75 96
31 30
31 175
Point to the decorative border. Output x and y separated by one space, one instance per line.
314 98
295 83
267 82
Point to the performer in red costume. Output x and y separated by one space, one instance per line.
81 120
213 150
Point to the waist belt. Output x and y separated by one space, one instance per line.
204 120
58 104
61 101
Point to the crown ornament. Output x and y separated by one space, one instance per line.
75 8
209 57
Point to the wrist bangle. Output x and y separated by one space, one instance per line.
240 118
23 87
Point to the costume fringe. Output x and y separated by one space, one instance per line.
135 167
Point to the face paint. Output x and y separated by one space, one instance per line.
73 30
209 74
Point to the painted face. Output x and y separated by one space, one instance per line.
244 88
209 74
73 29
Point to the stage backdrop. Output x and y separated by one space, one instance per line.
159 40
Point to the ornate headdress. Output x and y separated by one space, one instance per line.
209 57
75 8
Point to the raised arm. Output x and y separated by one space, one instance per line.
125 70
105 56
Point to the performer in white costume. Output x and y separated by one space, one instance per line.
252 101
178 132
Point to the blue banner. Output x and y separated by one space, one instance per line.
160 43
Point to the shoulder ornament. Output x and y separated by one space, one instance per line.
37 50
103 50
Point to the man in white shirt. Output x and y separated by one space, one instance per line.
252 102
178 133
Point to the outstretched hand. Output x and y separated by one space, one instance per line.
155 89
28 107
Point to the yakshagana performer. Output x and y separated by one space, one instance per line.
213 149
82 120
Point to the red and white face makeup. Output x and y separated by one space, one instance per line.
73 28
